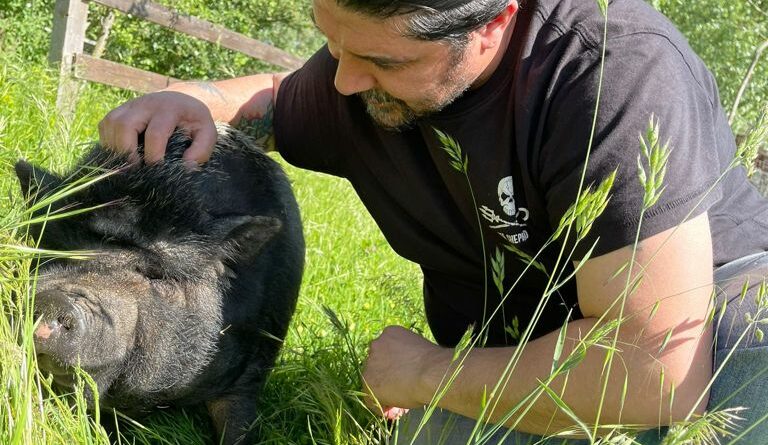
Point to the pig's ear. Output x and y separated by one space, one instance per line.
248 234
34 180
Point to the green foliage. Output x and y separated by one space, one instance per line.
706 429
286 24
757 137
354 286
603 4
524 257
497 265
726 35
25 27
30 128
584 212
458 161
655 155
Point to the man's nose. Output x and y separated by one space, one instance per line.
352 78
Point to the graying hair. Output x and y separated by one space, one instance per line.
447 20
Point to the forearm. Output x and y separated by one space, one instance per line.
245 102
647 398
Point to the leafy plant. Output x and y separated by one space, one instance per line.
286 24
725 35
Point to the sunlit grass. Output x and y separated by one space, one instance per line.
354 286
351 272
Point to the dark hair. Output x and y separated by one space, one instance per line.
450 20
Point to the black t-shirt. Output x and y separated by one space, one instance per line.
525 133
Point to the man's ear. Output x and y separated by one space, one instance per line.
34 180
493 32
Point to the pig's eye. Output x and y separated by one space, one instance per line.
114 241
150 273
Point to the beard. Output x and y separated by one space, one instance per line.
389 111
395 114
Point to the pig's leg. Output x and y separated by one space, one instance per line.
232 417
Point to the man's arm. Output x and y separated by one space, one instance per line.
405 370
245 101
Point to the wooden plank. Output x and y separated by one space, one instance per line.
204 30
70 19
118 75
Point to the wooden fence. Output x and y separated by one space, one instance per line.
68 43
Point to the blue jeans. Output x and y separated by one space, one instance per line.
742 381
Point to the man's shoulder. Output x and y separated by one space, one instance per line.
583 24
584 19
571 32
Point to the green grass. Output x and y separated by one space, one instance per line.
354 286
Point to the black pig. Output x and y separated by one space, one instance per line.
194 280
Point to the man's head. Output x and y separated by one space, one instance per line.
408 59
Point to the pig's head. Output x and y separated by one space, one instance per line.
142 314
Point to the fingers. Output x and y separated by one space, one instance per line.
127 142
156 137
393 412
203 140
157 115
120 133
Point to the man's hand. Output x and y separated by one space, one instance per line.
193 106
157 115
393 373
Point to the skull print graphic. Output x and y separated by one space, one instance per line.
514 217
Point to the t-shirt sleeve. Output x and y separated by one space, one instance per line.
306 116
644 75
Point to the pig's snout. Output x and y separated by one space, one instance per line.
60 318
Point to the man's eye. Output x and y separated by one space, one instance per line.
389 66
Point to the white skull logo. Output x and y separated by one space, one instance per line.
506 196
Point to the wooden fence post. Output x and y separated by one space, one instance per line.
70 19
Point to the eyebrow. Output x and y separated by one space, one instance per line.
379 60
383 60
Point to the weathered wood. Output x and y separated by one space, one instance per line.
70 18
106 27
118 75
204 30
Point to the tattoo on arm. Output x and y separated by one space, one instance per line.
210 88
260 128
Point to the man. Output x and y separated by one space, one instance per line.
516 88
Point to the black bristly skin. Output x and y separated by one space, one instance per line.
195 279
